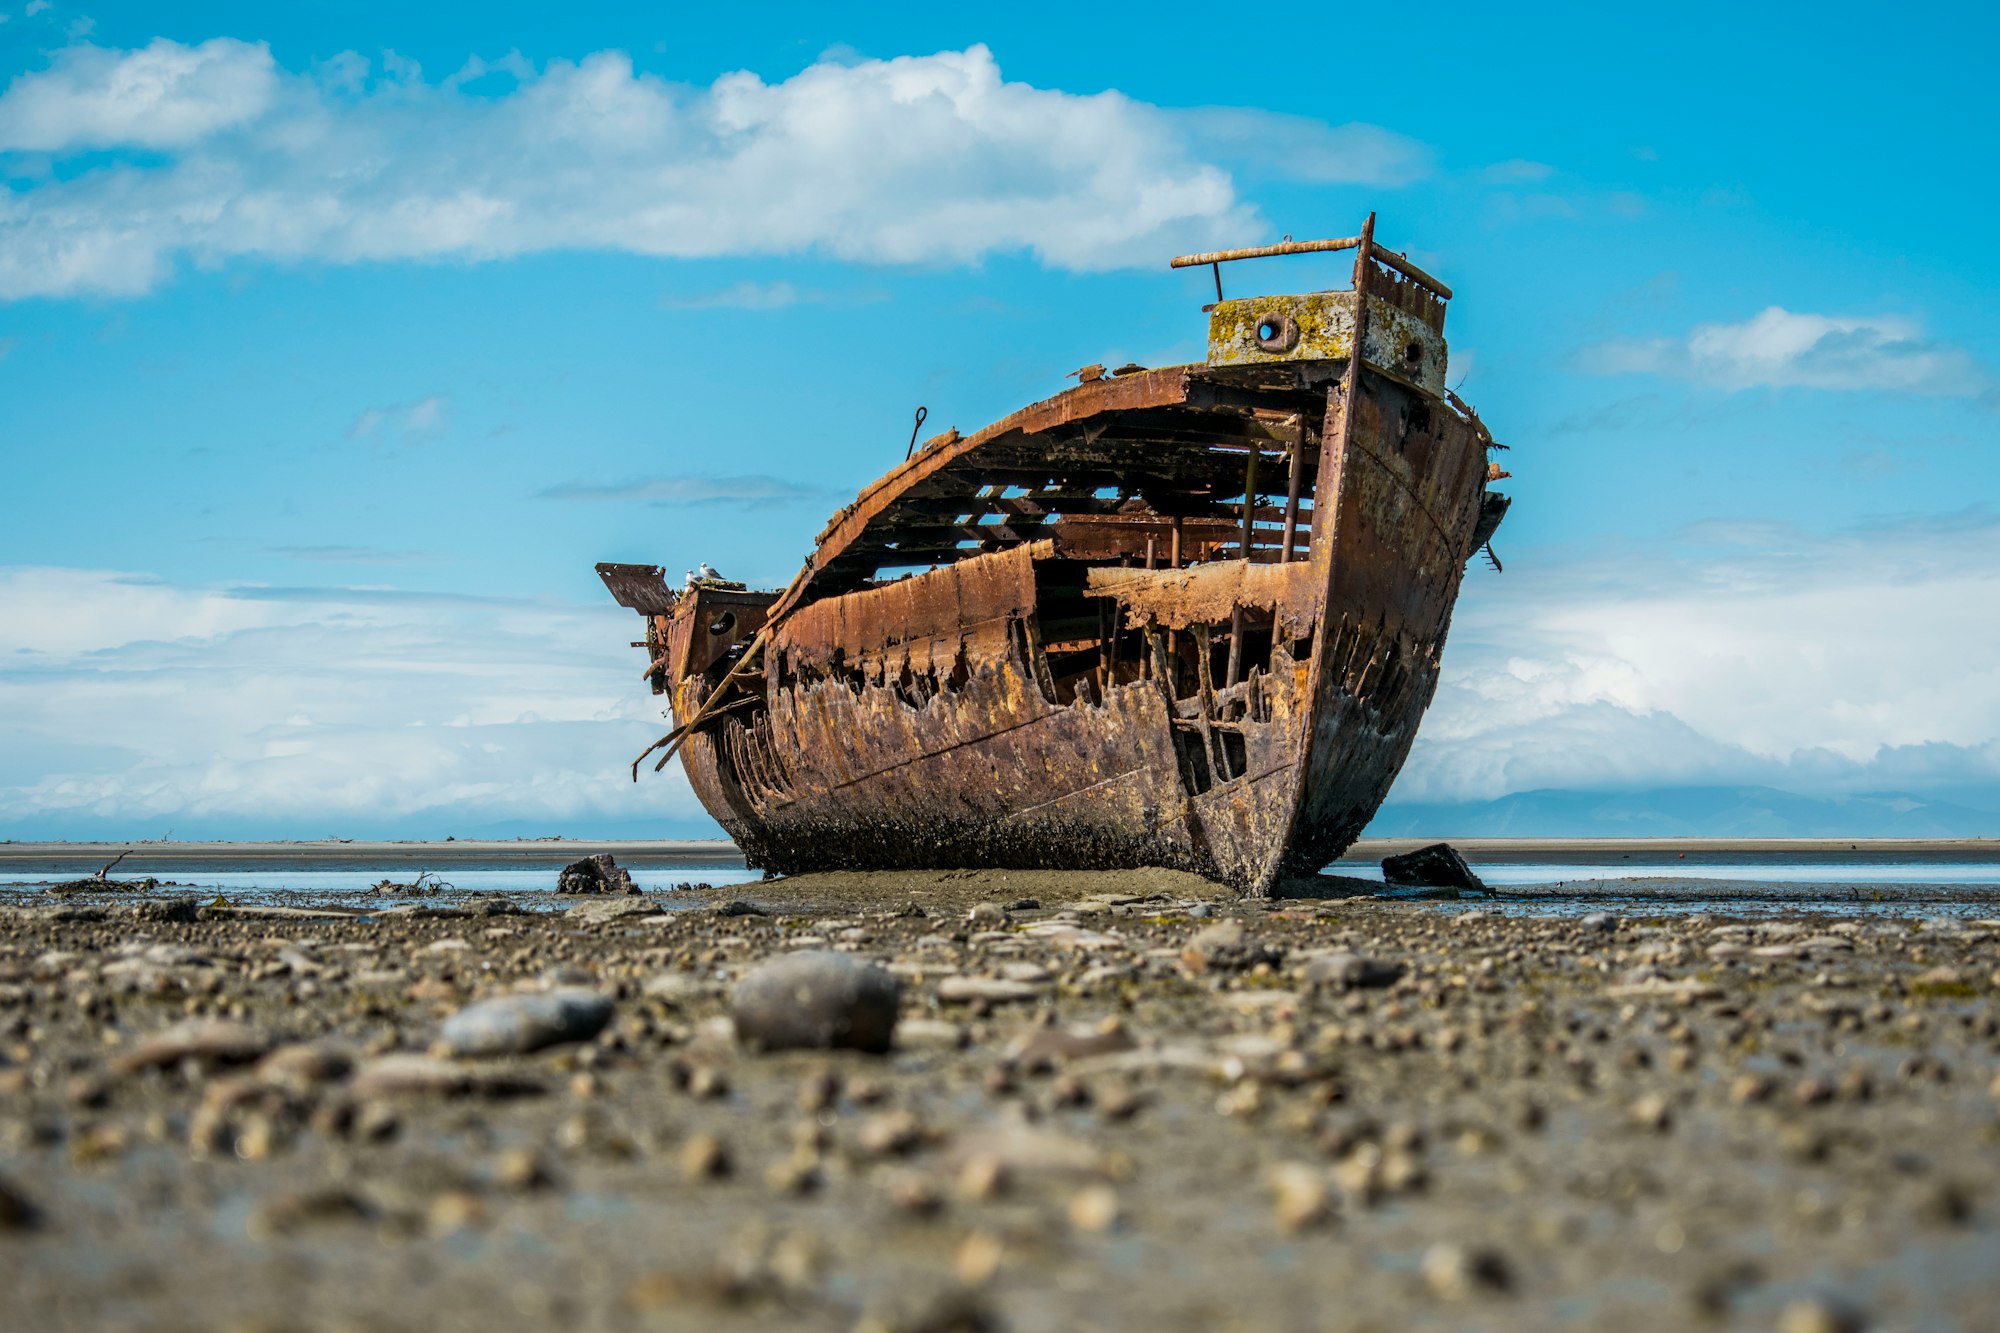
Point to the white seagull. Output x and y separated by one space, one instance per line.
708 571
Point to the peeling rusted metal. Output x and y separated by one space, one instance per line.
1082 637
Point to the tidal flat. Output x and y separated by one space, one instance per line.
1111 1100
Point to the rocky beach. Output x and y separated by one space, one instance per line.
970 1100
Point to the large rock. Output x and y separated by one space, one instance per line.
815 1001
1438 866
518 1024
595 874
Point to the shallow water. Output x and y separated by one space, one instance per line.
1861 888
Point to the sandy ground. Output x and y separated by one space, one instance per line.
1116 1101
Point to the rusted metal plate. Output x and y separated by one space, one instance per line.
1319 326
641 587
1211 593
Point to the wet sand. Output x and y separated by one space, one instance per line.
1137 1102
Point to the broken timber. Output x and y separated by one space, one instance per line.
1186 617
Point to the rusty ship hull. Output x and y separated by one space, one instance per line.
1186 617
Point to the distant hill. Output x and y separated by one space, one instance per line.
1688 812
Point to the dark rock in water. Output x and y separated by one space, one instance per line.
595 874
740 908
814 1001
518 1024
1438 866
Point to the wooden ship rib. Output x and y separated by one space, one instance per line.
1185 617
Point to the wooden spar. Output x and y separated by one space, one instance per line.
1292 494
1235 646
1263 252
1250 497
1389 257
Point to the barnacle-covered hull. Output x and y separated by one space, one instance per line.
1187 617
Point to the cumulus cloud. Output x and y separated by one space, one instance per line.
917 159
1783 348
141 705
165 95
1742 653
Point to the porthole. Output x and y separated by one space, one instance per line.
1277 333
723 623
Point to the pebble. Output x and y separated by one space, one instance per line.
408 1075
704 1157
1095 1208
1301 1195
930 1034
1341 970
16 1212
1225 947
816 1001
978 1258
989 990
1653 1112
521 1024
1816 1314
1459 1272
303 1065
206 1041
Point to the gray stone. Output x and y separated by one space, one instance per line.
614 909
1341 970
407 1075
208 1041
816 1000
518 1024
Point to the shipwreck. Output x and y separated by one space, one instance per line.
1187 616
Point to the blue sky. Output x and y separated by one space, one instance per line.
338 342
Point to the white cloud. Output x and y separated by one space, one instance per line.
918 159
163 96
764 296
1738 654
425 416
749 491
1783 348
152 705
1301 148
1517 171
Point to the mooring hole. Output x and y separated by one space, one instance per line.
723 623
1413 354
